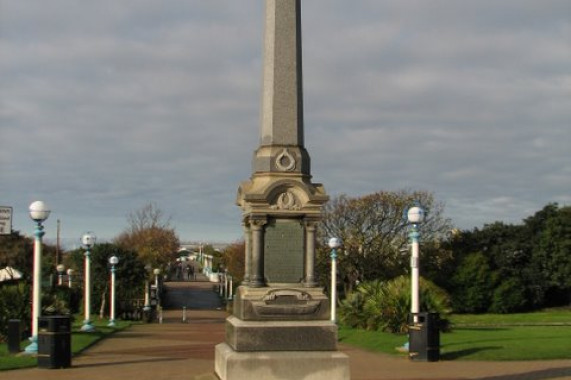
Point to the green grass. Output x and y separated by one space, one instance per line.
507 343
79 342
540 318
533 336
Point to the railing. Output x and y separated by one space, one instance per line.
131 310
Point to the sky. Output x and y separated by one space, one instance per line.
108 105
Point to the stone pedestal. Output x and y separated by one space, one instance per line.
284 365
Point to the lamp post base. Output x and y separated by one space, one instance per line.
32 348
87 327
111 323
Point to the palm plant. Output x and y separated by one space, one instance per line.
378 305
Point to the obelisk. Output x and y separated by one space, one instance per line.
281 327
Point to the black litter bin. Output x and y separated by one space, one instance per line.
424 337
54 342
14 335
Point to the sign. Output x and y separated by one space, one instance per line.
5 220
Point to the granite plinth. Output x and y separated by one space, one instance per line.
281 335
289 365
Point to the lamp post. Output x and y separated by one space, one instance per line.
147 307
88 241
39 212
69 275
113 260
334 243
157 272
415 216
60 271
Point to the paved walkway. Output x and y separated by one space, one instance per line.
185 351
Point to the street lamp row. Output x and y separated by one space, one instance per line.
39 212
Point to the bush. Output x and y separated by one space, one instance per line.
473 284
385 306
509 297
14 304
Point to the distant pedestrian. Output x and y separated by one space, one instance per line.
179 271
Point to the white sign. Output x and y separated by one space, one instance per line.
5 220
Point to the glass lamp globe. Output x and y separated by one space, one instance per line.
334 243
113 260
39 211
60 268
415 215
88 239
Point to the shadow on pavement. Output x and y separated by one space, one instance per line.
551 373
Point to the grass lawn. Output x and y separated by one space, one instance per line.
533 336
79 342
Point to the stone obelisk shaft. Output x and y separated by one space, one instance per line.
282 97
282 101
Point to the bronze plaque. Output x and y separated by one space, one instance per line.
284 251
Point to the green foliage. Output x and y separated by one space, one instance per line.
473 284
509 268
378 305
233 259
14 304
17 252
130 273
509 297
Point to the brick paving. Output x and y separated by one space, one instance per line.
176 351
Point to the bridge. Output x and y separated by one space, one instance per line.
195 246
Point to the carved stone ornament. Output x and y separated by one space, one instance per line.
286 302
286 201
285 161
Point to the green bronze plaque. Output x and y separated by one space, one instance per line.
284 251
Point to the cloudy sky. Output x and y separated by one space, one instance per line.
108 105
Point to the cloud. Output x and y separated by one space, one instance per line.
108 105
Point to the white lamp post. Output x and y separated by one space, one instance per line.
60 271
147 306
113 260
39 212
157 272
69 275
88 241
334 243
415 216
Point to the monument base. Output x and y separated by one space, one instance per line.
280 365
281 335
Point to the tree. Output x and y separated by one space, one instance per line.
374 235
17 251
130 278
529 263
473 284
551 229
148 234
233 258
